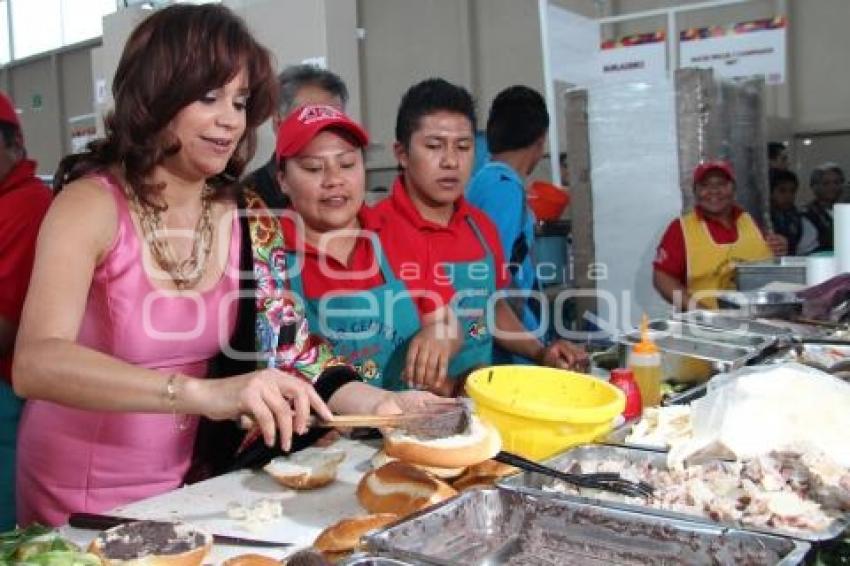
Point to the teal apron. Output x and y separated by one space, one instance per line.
472 294
10 414
356 325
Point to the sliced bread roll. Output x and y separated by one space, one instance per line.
251 560
152 543
400 488
380 458
479 442
307 469
343 537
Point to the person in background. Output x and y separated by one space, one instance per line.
124 312
786 218
777 155
24 200
827 183
367 289
565 169
299 85
698 251
516 135
435 127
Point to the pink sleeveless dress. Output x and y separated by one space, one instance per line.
77 460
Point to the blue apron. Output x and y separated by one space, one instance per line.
10 415
470 302
376 347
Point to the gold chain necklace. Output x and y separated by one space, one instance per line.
185 273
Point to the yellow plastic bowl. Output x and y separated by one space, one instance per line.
542 411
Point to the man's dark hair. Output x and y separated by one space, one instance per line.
518 118
779 176
295 77
774 149
429 97
816 178
562 159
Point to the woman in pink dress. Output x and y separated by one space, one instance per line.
136 280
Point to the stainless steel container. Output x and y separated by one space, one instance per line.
689 359
755 275
537 484
721 321
496 526
762 304
367 560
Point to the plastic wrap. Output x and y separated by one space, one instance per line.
757 410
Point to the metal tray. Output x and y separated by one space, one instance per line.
755 275
739 338
496 526
811 354
762 304
367 560
527 482
688 359
712 319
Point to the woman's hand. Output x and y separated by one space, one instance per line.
428 355
777 243
274 400
564 355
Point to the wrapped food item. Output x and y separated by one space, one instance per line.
787 407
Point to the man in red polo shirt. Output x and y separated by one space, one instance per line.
698 252
434 146
23 203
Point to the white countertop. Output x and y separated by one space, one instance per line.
305 513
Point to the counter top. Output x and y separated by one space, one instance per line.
305 513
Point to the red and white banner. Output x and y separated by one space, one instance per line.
749 51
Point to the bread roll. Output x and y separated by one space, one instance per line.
251 560
343 537
307 469
152 543
380 458
480 442
400 488
483 474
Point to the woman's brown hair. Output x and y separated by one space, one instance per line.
172 59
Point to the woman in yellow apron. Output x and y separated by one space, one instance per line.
698 252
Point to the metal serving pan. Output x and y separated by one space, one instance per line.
532 483
762 304
496 526
738 338
688 359
713 319
366 560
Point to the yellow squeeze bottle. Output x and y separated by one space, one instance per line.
645 362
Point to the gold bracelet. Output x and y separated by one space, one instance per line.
171 399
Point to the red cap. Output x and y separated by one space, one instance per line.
7 111
707 167
305 122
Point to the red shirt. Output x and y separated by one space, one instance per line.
322 273
23 203
671 257
454 243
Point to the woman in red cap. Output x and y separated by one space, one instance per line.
698 252
390 319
